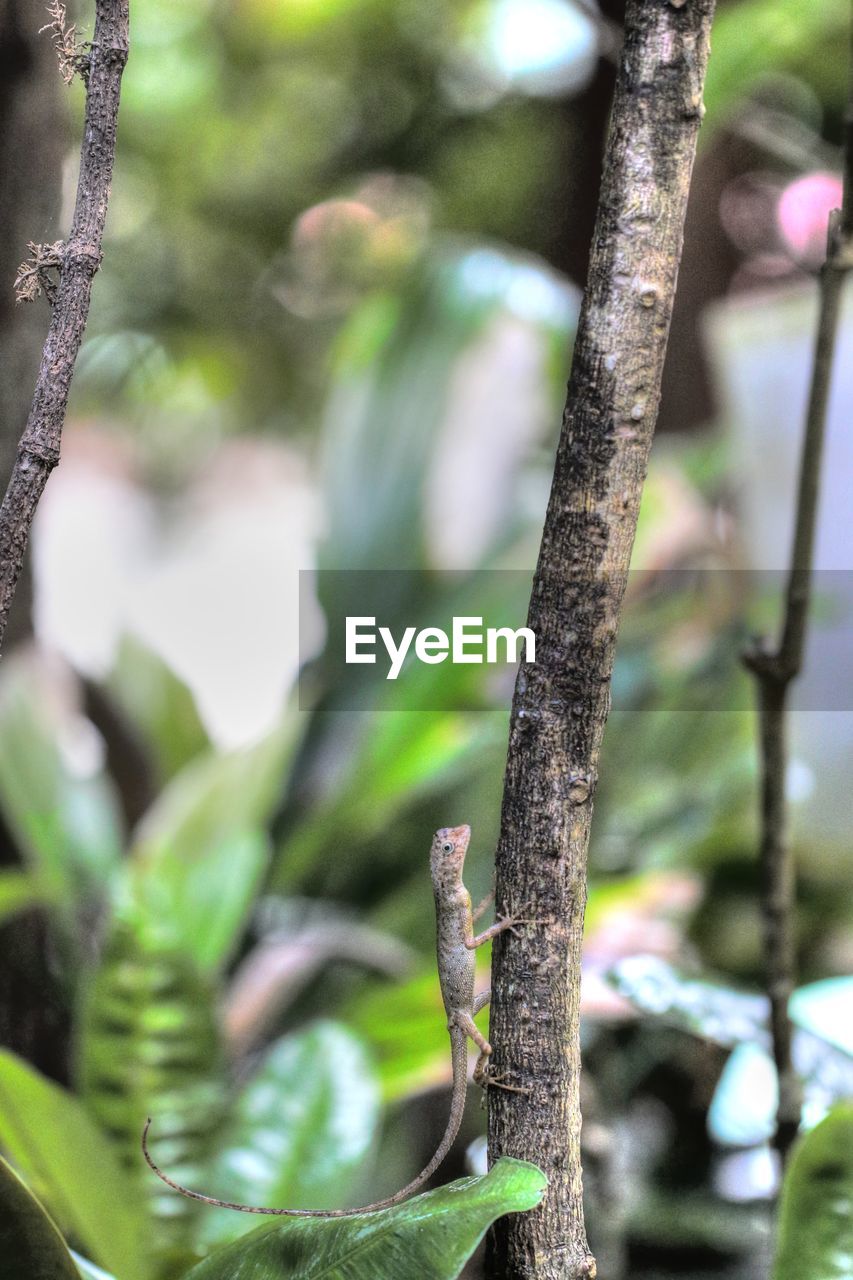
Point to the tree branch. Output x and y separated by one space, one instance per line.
561 703
775 668
38 451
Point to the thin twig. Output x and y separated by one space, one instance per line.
775 669
562 701
76 261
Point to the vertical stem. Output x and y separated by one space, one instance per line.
775 669
32 148
777 897
561 702
38 451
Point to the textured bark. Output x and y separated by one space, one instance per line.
38 451
32 144
561 703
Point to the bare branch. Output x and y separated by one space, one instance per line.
76 261
561 703
775 668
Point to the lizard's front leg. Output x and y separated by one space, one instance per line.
500 926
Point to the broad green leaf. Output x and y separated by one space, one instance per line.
161 704
30 1244
429 1237
202 896
61 1153
149 1046
215 796
816 1214
88 1269
299 1130
199 855
67 827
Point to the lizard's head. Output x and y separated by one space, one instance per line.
449 846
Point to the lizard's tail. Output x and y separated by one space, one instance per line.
458 1048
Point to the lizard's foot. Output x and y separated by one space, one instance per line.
487 1079
510 921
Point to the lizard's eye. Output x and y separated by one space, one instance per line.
447 846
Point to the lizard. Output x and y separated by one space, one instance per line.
456 943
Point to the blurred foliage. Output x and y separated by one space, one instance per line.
149 1046
32 1246
330 220
743 1109
218 301
759 38
80 1177
302 1147
816 1227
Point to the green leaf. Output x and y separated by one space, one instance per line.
149 1046
160 703
30 1244
816 1215
199 855
17 892
66 827
429 1237
400 757
390 387
60 1151
299 1130
88 1270
202 896
761 37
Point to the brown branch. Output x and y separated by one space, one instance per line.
776 668
38 451
561 703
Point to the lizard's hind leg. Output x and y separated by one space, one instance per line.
482 1076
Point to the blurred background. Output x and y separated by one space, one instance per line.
332 330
